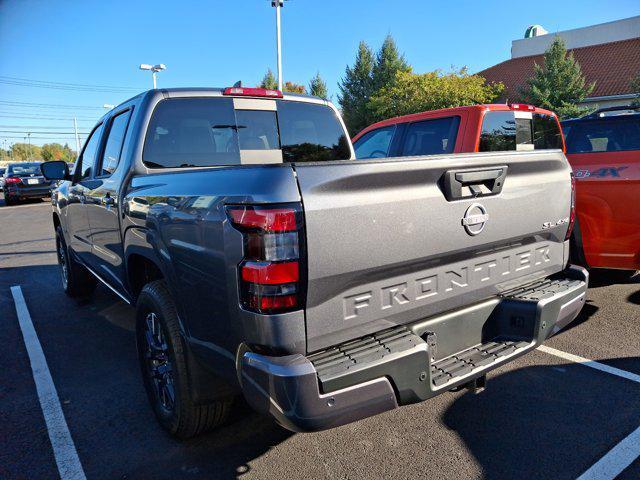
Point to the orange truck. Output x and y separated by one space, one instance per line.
603 149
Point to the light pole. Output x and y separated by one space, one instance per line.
278 4
29 135
154 69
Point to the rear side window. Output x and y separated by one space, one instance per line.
431 137
115 140
375 144
199 132
506 131
605 135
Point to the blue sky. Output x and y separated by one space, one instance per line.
215 43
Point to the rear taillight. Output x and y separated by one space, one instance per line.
270 272
11 180
572 214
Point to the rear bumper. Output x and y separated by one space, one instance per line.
407 364
39 192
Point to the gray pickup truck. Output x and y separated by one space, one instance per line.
263 258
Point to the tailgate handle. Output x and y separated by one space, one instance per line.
460 184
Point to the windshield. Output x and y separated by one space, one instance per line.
25 169
613 134
202 132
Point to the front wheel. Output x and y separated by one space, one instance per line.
77 281
162 356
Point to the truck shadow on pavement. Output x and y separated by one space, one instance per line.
546 421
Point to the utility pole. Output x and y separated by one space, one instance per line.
278 4
75 127
29 135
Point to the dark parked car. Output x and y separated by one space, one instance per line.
23 181
264 259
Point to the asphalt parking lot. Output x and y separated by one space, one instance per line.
544 416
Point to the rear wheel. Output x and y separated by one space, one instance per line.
162 356
8 201
77 281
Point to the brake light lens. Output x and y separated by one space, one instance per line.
572 214
252 92
11 180
270 272
522 106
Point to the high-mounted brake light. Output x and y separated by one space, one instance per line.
270 272
521 106
252 92
572 214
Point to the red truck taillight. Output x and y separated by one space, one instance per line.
270 273
572 214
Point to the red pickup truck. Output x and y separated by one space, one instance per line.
475 128
603 150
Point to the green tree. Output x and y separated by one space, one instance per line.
293 87
635 88
22 152
356 89
318 87
388 63
269 81
56 151
559 84
413 93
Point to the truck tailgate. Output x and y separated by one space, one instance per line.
388 243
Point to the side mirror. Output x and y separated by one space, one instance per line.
55 170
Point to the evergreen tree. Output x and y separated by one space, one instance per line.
269 81
388 63
356 89
559 84
318 87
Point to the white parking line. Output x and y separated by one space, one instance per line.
590 363
616 459
625 452
64 450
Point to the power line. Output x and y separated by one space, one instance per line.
47 117
42 133
25 82
37 127
47 105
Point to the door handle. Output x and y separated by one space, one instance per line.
459 184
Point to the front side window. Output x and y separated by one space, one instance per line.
431 137
88 158
615 134
115 140
375 144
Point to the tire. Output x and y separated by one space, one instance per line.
77 281
8 201
163 363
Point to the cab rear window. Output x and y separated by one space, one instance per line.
203 132
616 134
511 130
